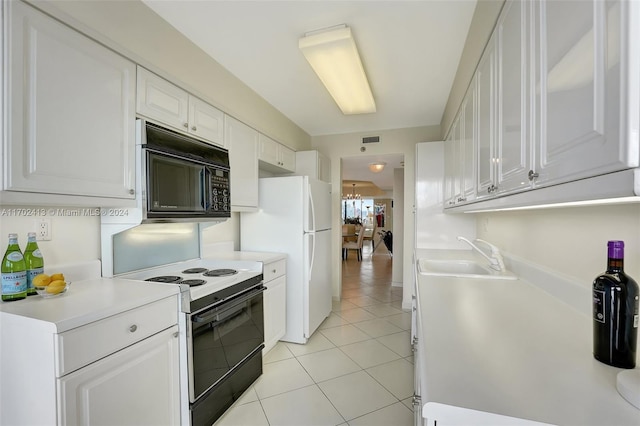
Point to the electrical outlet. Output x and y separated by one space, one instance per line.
43 229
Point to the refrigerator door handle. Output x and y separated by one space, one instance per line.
312 254
312 211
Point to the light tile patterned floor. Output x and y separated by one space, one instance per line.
357 368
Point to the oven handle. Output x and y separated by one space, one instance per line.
235 302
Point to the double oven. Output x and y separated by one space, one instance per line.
223 331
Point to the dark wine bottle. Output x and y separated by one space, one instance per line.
615 312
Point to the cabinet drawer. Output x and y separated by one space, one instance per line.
83 345
274 270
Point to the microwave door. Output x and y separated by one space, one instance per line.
175 185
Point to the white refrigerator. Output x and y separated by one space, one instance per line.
294 217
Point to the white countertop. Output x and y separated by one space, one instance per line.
510 348
87 301
252 256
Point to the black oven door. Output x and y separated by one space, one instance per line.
222 337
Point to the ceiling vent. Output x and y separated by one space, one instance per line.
371 139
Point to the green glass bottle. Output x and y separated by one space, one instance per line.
13 272
34 262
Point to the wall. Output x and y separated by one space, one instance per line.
572 241
134 30
400 141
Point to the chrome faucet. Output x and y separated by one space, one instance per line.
496 261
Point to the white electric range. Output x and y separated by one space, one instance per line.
222 329
201 278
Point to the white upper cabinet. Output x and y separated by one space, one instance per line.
242 142
170 105
313 164
70 108
274 156
514 138
468 145
486 145
586 85
557 99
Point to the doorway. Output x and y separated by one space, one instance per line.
369 200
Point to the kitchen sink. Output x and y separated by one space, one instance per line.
461 269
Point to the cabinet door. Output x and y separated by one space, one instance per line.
467 146
71 130
275 312
580 63
486 95
449 169
287 158
135 386
268 150
206 122
514 141
162 101
324 168
242 142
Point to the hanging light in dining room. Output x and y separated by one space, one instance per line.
353 195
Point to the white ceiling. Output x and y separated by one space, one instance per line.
410 51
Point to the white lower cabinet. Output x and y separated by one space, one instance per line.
122 369
275 300
135 386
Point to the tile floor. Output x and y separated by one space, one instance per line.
356 369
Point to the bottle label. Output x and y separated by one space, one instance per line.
635 321
15 256
598 306
36 253
14 282
31 274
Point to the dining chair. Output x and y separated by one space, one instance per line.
353 245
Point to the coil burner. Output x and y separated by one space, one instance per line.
220 272
193 283
165 279
194 270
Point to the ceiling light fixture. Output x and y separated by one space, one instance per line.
377 167
333 55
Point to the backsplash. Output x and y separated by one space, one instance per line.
75 234
572 241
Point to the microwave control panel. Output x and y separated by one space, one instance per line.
220 190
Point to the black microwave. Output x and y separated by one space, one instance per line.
182 178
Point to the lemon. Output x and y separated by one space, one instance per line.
58 276
56 287
41 280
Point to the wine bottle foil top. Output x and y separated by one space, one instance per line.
616 249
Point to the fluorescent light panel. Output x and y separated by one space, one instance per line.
333 55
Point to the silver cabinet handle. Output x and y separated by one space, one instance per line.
533 175
133 328
132 191
194 128
273 272
186 125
